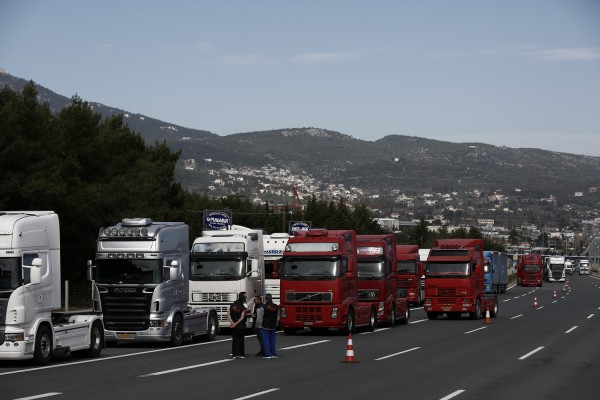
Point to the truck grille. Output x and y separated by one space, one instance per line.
446 292
308 296
308 314
404 283
125 309
217 297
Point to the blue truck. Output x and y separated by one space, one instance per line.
496 271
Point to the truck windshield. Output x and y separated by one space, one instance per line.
531 267
447 269
407 267
374 269
130 271
221 269
10 269
311 269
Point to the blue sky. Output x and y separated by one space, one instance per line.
514 73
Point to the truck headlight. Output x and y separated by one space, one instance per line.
14 337
283 313
334 312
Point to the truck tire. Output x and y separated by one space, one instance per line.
42 354
476 314
96 341
349 328
213 328
404 319
494 310
372 320
176 331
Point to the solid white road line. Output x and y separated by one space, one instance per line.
590 316
397 354
305 344
475 330
170 371
571 330
453 394
530 353
257 394
516 316
39 396
417 321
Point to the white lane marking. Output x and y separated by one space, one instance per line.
517 316
571 330
169 371
475 330
305 344
417 321
257 394
397 354
375 331
141 353
453 394
504 301
530 353
39 396
590 316
540 307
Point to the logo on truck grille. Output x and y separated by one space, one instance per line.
125 290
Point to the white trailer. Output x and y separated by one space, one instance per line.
223 264
584 267
33 322
142 274
274 244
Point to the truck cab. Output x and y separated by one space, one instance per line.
409 276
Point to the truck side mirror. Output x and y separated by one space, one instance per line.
174 270
35 272
90 270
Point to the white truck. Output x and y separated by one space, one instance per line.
584 267
142 274
569 267
274 244
224 263
34 324
556 269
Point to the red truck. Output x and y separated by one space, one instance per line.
377 279
455 282
530 269
410 269
319 279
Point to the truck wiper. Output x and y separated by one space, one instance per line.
229 276
199 277
367 276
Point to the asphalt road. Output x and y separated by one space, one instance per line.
548 352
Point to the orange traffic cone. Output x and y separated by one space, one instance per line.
488 319
554 295
349 351
535 303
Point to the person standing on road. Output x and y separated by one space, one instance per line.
268 320
256 326
237 324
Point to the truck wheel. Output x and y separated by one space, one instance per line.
494 310
177 331
476 314
43 346
213 327
349 328
96 342
372 320
393 316
404 320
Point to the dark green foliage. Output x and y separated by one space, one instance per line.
93 172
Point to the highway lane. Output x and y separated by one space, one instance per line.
424 359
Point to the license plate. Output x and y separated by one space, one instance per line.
125 335
308 323
446 308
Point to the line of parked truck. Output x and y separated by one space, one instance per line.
146 283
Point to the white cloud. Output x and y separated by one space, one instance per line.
249 60
567 54
326 57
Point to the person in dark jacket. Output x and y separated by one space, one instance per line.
256 327
237 324
268 319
